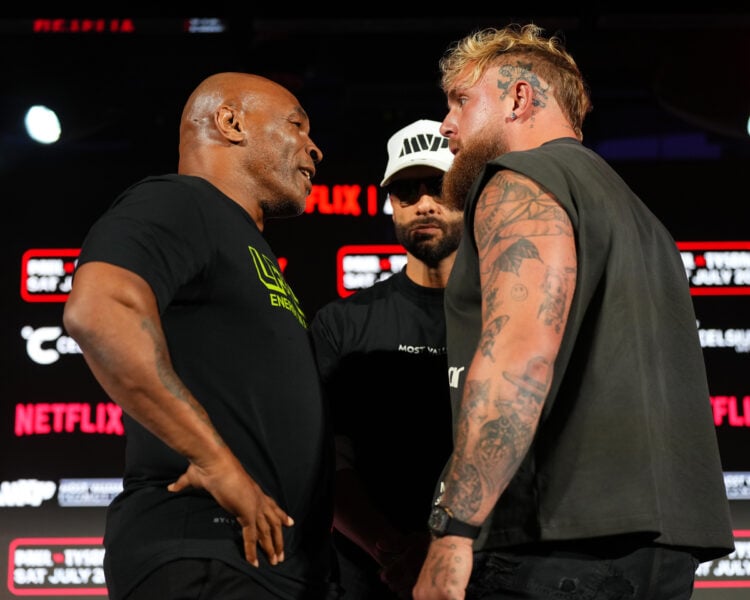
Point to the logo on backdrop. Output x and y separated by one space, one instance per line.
45 345
731 571
45 418
360 266
25 492
88 491
56 567
71 492
47 274
731 411
717 268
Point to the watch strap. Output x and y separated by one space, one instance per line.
454 526
462 528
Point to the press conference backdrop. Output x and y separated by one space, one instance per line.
61 437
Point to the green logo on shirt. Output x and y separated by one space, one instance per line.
280 294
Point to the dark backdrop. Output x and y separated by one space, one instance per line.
669 91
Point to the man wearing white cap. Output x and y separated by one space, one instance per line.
381 356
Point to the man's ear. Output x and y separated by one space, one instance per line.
229 124
523 97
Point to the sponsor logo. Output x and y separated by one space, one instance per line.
717 268
26 492
45 345
422 142
47 274
88 492
737 484
731 571
280 293
83 26
731 411
42 418
70 492
343 200
56 567
360 266
738 339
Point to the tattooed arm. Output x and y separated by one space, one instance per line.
527 262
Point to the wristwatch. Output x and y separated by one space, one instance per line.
442 522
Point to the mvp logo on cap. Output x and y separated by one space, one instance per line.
418 144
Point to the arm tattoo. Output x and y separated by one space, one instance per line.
474 408
441 565
519 292
504 441
552 309
510 260
533 384
170 379
466 491
500 449
163 364
513 216
491 302
514 211
487 341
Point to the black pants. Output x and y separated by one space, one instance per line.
198 579
645 573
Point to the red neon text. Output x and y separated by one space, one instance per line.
727 411
83 26
59 417
342 200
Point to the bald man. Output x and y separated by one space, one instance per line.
184 318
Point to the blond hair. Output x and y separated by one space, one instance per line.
544 56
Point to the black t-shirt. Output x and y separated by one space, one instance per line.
238 339
382 358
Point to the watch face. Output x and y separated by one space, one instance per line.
438 519
441 522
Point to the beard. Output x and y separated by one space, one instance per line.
466 167
281 209
431 250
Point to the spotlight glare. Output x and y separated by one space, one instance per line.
42 125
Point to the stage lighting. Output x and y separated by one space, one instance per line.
42 124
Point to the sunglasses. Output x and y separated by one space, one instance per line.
408 191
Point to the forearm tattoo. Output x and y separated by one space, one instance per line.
487 341
496 428
170 379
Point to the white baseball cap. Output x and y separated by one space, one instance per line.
418 144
